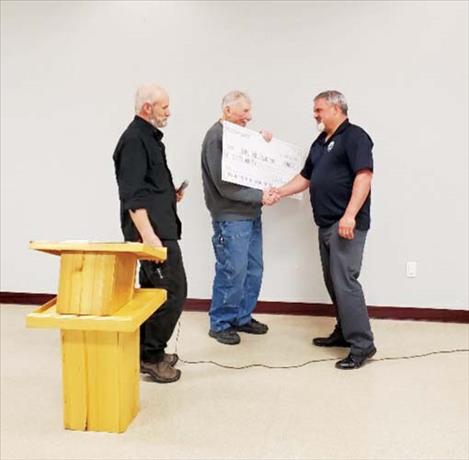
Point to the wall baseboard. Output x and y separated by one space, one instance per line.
286 308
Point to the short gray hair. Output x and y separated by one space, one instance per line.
334 98
232 97
147 93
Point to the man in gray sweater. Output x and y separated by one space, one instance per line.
237 238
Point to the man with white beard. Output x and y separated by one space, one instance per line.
148 214
338 172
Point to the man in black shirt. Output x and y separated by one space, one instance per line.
338 172
148 214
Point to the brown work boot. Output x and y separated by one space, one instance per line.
161 372
171 358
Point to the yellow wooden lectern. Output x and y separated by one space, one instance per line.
99 313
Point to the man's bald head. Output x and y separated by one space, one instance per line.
152 104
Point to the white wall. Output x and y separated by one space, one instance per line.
69 71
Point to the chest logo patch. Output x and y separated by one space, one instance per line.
330 146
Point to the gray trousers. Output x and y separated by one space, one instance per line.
341 263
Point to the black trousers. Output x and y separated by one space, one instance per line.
170 275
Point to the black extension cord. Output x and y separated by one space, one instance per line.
297 366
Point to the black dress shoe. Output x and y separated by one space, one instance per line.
355 361
336 339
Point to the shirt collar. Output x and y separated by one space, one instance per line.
148 128
340 129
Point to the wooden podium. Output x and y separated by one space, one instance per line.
99 313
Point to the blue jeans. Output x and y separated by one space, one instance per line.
238 272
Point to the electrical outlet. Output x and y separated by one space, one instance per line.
411 269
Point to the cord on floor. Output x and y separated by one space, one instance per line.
312 361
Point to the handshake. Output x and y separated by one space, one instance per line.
271 196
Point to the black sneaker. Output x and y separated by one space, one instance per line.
253 327
228 336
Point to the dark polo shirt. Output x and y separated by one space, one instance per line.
145 181
331 168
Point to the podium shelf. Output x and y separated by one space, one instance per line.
126 319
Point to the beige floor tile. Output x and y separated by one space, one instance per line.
402 409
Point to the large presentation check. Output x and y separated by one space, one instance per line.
251 161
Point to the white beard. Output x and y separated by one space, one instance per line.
158 123
320 127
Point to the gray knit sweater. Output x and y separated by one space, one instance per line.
224 200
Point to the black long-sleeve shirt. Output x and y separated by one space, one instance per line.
145 181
